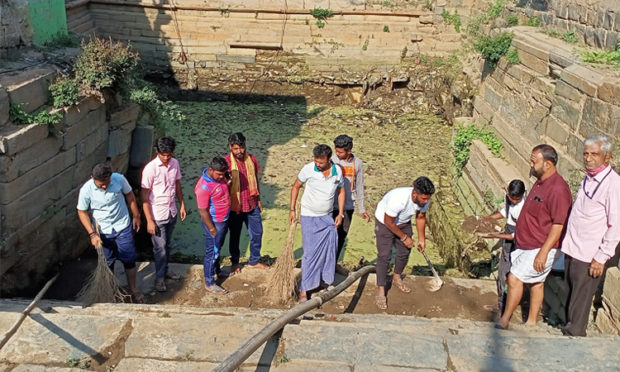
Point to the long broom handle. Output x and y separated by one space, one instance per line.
27 311
431 266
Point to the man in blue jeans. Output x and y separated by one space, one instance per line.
106 195
245 203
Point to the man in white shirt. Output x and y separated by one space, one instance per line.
324 182
393 228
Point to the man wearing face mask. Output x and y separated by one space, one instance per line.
393 228
537 234
592 233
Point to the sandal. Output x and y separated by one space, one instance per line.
381 302
303 298
402 286
216 289
160 286
173 276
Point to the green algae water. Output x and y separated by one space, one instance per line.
395 149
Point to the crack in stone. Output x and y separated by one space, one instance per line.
450 365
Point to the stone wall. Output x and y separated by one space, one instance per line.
15 29
79 19
597 23
608 317
41 170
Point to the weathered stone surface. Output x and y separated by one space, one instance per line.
120 163
561 57
612 40
536 64
127 115
54 338
611 288
582 78
605 324
565 90
119 142
609 91
149 365
12 167
92 142
141 146
4 107
574 146
17 138
29 87
83 168
77 132
556 131
75 114
566 111
493 98
597 116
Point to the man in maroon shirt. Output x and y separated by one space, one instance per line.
245 204
537 234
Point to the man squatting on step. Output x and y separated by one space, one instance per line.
107 194
537 234
324 182
245 204
213 202
161 186
353 172
592 232
393 228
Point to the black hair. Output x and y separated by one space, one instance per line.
102 171
548 153
165 144
516 188
219 164
343 142
322 151
236 139
423 185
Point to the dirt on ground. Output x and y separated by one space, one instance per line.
480 225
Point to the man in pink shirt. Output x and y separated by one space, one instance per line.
592 233
161 186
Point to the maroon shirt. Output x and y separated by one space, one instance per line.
547 203
248 203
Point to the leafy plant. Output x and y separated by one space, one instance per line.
533 21
553 33
512 20
18 116
495 10
570 37
465 136
428 5
365 45
320 13
162 112
512 56
386 28
609 57
72 362
282 359
65 91
452 19
320 23
62 40
403 52
474 26
493 48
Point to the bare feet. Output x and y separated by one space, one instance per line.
502 323
381 302
258 266
303 297
400 284
215 289
234 269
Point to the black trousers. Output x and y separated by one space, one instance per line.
343 229
581 288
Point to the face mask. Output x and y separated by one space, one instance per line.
594 172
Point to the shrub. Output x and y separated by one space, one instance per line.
533 21
570 37
452 19
18 116
493 48
512 56
145 94
512 20
465 136
495 10
104 63
610 57
386 28
319 13
65 91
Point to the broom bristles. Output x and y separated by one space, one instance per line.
281 284
101 285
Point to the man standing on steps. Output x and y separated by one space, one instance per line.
537 234
107 194
245 204
352 170
324 183
161 186
393 228
592 232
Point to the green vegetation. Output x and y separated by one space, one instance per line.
320 23
321 15
61 40
386 28
464 138
493 48
553 33
104 63
570 37
64 92
512 20
512 56
365 45
428 5
609 57
495 10
18 116
452 19
403 52
533 22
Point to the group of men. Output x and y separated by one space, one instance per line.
587 231
228 196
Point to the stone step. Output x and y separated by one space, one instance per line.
29 87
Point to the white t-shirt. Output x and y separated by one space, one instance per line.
514 210
397 203
318 198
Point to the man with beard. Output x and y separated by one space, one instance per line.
537 234
592 232
393 228
245 204
324 182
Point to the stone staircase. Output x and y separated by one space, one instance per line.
125 337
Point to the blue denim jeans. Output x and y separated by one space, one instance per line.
161 245
119 246
254 223
213 245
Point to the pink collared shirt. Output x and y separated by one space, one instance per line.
593 229
161 180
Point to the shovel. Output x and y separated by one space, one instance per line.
435 284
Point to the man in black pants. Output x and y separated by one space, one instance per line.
393 228
353 172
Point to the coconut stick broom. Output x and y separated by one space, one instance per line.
101 285
281 284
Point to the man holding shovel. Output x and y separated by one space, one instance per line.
393 228
107 194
